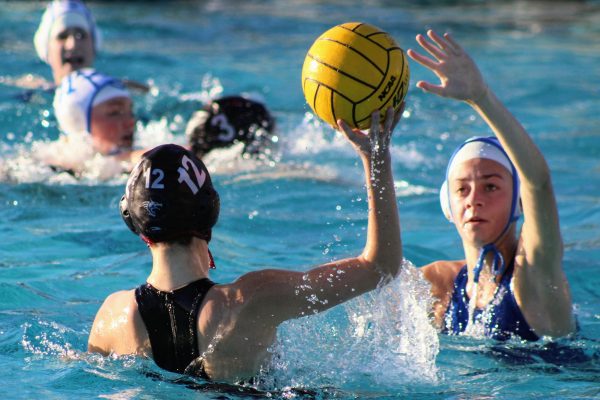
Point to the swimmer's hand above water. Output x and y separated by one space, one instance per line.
460 77
379 135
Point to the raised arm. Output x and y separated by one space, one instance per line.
541 288
284 295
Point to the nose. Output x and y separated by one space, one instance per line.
475 198
129 122
70 42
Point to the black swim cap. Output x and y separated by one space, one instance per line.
229 120
169 195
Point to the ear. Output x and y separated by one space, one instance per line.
444 201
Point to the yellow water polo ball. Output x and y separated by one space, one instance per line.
352 70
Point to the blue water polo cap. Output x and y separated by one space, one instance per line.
170 195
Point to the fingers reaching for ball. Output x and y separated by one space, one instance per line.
378 137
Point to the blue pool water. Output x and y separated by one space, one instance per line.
64 246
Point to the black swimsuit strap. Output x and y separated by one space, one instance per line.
170 319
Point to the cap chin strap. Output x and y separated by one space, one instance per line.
211 260
498 265
147 240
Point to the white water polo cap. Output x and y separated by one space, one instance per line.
61 15
481 147
77 95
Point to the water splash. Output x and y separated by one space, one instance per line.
384 337
72 159
49 338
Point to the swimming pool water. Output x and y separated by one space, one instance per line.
64 247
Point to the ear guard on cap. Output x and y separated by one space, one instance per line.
444 195
126 216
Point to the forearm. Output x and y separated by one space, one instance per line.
529 161
383 246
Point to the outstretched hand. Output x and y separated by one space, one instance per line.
377 140
460 77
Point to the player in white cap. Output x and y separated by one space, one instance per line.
67 38
511 282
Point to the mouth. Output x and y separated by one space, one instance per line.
475 221
75 61
127 140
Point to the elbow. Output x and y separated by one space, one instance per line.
387 267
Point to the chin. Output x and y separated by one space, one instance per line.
476 239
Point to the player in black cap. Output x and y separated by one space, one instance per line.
170 195
229 120
187 323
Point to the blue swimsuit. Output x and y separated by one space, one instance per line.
502 317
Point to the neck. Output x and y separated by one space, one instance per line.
176 265
506 245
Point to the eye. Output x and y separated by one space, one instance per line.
80 35
461 190
490 187
116 113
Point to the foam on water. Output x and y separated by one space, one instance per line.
384 337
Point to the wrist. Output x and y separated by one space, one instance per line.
476 100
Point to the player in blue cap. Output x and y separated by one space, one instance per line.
511 283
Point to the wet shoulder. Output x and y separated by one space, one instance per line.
441 274
121 299
117 327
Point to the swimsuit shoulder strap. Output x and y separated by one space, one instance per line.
170 319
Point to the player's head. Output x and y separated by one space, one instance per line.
480 194
229 120
90 103
170 196
67 38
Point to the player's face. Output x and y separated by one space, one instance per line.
112 125
70 50
480 197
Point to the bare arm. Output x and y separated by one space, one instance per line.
541 288
283 295
135 85
118 327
